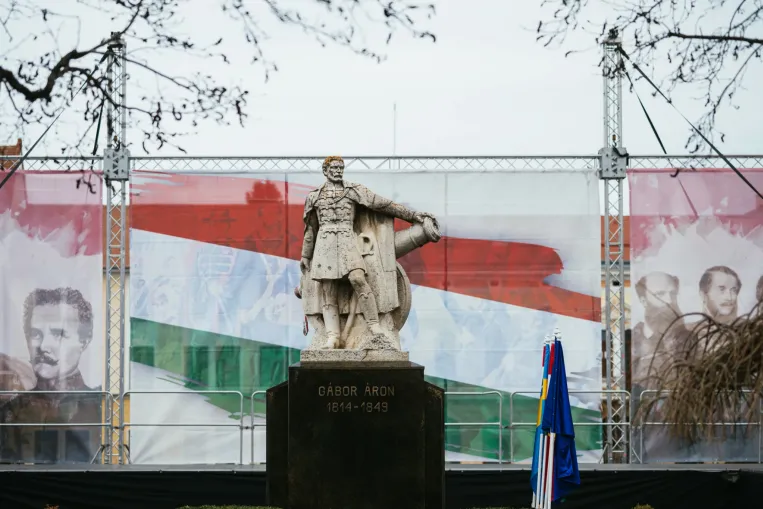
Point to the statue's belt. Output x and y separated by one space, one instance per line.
336 228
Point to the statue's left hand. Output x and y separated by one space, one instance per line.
431 227
419 217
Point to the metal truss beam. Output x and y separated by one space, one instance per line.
406 164
612 168
690 162
413 164
116 174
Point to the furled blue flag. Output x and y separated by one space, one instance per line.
557 419
536 467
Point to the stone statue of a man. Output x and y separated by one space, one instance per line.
352 285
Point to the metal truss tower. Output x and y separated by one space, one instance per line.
612 167
116 175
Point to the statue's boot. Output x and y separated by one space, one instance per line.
367 304
331 321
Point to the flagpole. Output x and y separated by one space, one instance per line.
549 492
541 471
539 438
536 495
540 441
547 451
544 504
550 483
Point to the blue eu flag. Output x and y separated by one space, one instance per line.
557 421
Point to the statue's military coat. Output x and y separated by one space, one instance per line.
371 242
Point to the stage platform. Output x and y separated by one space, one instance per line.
451 467
605 486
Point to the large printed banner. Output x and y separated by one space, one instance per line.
696 247
214 265
51 317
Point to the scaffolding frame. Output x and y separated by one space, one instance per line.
115 237
613 164
116 172
610 162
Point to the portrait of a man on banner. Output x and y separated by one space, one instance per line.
58 327
51 320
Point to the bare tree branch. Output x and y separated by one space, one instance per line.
39 83
691 44
715 38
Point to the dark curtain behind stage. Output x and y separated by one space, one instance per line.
611 490
464 490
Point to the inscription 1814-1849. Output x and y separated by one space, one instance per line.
352 398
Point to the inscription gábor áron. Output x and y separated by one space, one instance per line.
362 399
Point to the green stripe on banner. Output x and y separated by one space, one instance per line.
207 361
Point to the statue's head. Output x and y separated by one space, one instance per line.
333 168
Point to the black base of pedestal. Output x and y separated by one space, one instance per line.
359 436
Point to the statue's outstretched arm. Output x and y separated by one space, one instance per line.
388 207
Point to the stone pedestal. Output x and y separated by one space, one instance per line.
355 436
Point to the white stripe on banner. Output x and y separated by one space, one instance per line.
250 295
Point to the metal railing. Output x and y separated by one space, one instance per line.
239 425
487 424
254 425
242 425
514 425
105 424
640 425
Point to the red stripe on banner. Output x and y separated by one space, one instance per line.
51 205
661 202
230 211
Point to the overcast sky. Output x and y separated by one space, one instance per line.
484 88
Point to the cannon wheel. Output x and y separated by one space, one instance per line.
404 298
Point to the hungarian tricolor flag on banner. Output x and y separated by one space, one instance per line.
214 260
554 471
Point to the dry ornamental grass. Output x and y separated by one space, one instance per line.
712 375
